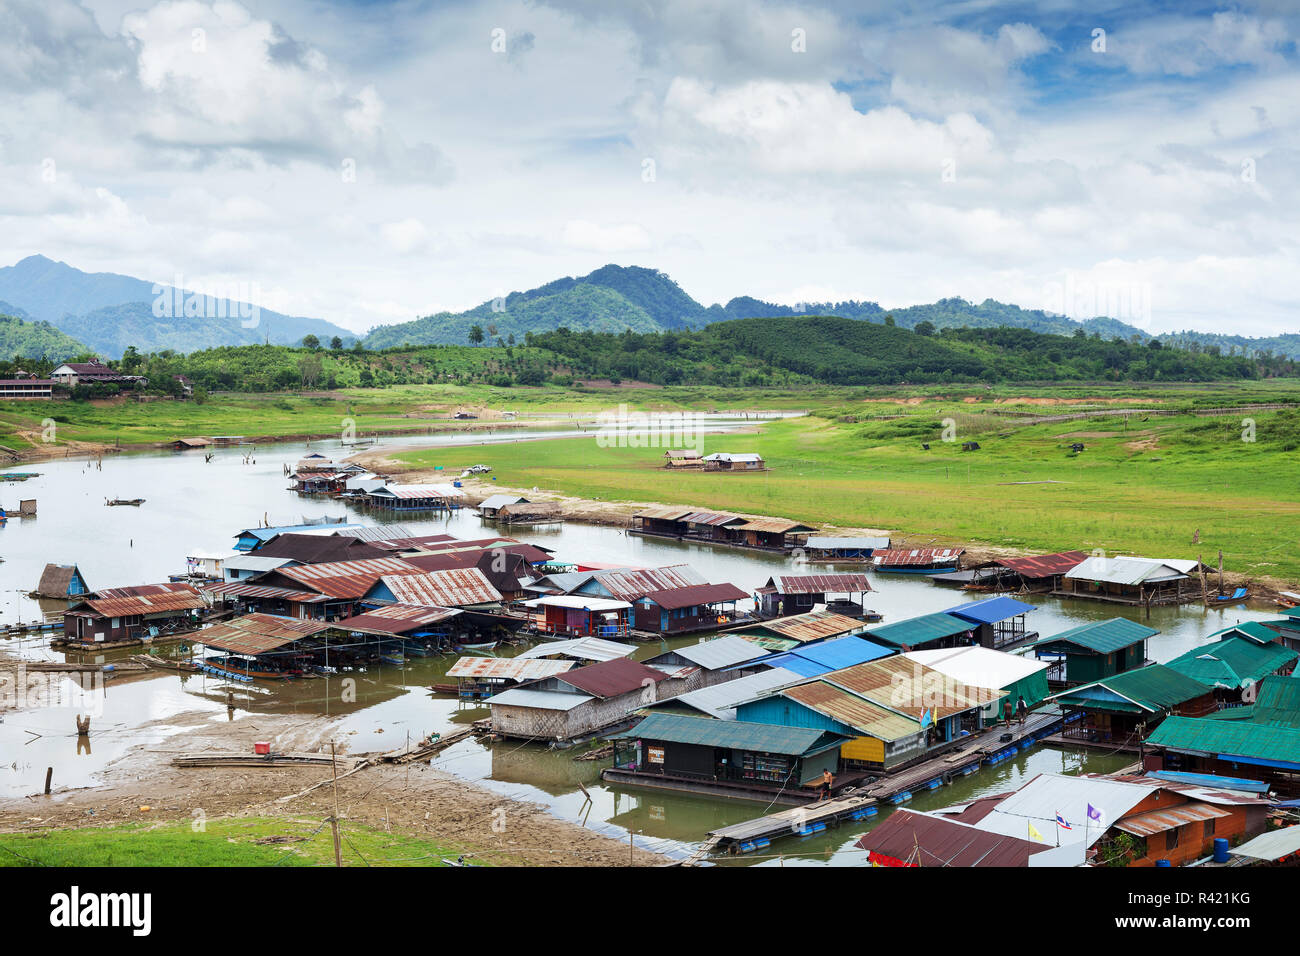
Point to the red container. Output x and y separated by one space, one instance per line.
261 747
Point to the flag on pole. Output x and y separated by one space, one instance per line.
1094 813
1061 822
927 718
1034 834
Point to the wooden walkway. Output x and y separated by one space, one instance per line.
424 749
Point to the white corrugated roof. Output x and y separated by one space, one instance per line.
1270 846
583 648
541 699
577 602
1041 799
723 652
979 666
825 541
1128 570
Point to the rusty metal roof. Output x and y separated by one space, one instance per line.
628 584
153 599
508 668
396 619
1155 821
804 628
612 678
695 594
819 583
347 579
664 514
240 589
711 518
924 839
916 557
909 688
774 526
848 708
454 587
257 633
1044 565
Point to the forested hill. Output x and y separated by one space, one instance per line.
24 339
615 298
841 351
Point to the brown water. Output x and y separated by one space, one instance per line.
193 506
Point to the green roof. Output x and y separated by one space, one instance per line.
1278 702
736 734
920 630
1244 712
1255 630
1231 738
1233 662
1152 688
1102 637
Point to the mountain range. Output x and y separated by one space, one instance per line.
108 312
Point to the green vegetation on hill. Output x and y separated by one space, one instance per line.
828 349
35 340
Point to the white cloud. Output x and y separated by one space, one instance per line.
406 236
620 237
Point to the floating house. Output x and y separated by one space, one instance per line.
797 593
573 615
242 566
735 757
1095 651
133 614
393 497
665 522
578 703
770 534
909 838
894 711
727 461
825 548
188 444
918 560
1132 580
1085 817
1021 678
1233 665
720 527
787 633
1119 711
259 647
343 583
699 607
457 587
302 548
999 623
61 581
244 596
1261 740
489 506
1038 573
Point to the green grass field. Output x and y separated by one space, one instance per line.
1141 487
241 841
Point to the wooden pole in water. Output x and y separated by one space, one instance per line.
334 820
49 775
1220 570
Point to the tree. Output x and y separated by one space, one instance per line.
475 335
889 320
336 344
310 342
924 327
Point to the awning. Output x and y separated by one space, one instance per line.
1156 821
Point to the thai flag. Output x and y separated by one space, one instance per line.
1060 821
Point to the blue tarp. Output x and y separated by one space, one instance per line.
1211 780
989 611
825 656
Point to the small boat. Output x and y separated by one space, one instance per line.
19 475
1222 600
392 658
113 502
1288 599
477 647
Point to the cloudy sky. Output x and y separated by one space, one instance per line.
373 161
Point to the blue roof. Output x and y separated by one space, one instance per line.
990 610
811 660
266 534
1211 780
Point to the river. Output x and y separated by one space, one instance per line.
197 506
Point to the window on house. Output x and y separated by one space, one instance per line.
1209 828
1171 839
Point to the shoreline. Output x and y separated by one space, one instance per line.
1264 589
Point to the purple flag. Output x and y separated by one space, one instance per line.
1094 813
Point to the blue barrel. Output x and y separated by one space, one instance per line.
1163 863
1220 850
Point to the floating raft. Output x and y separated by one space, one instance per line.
425 749
219 759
